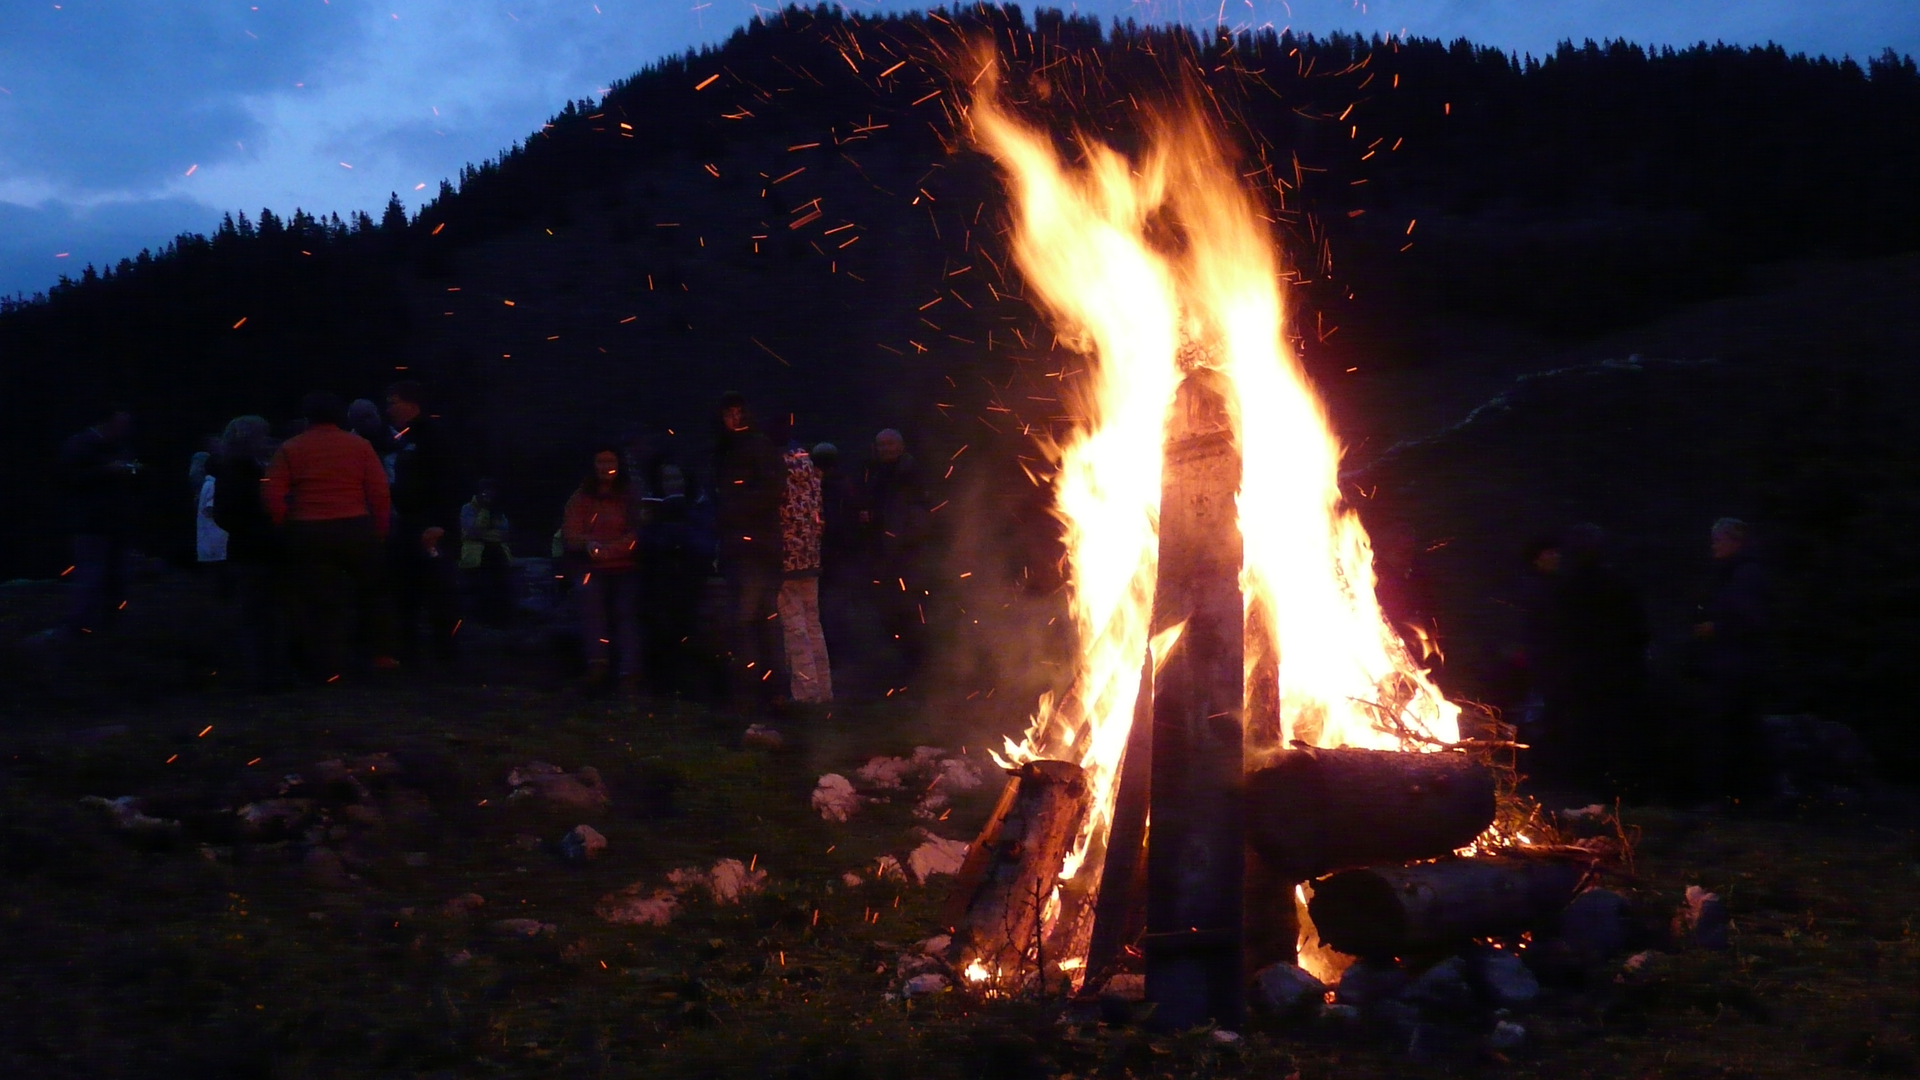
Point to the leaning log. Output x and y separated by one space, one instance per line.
1012 869
1427 907
1311 812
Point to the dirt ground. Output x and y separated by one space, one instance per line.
218 951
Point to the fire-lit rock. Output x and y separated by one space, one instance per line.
1286 990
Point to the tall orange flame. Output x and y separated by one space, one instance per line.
1145 266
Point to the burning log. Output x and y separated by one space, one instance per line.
1012 870
1311 812
1196 853
1393 911
1119 915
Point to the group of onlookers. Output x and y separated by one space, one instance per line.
347 545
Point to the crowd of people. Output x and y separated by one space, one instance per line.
357 543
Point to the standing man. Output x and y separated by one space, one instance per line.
895 517
427 496
101 476
749 480
801 524
326 487
1733 639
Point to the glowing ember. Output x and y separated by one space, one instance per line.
1150 267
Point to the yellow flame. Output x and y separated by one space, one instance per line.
1139 265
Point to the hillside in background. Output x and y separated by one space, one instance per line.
797 214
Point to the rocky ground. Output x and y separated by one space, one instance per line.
390 878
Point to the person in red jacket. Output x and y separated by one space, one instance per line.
601 532
327 490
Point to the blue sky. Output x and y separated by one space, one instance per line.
195 107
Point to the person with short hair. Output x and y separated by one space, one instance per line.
326 488
897 521
1733 637
238 472
100 473
427 495
484 555
749 481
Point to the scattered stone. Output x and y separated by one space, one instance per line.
886 772
324 869
583 844
1337 1015
762 737
730 881
273 816
922 985
852 880
1507 1035
1225 1037
887 868
1702 922
580 790
958 774
1443 990
629 908
912 964
1640 962
1596 925
126 816
835 798
935 945
460 959
936 855
1370 982
1286 990
527 928
464 904
1507 981
1125 986
931 806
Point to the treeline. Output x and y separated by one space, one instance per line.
1411 180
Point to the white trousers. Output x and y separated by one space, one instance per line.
809 672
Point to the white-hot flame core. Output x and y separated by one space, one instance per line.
1131 260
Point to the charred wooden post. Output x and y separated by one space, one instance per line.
1012 870
1393 911
1117 914
1196 856
1311 812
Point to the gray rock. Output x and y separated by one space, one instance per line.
1370 982
1443 989
583 843
1507 1035
922 985
1285 990
1337 1016
1596 925
525 928
1702 922
1507 981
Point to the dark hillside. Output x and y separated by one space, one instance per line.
788 214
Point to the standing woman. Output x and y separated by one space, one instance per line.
601 533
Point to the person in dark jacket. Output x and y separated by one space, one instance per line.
254 553
749 481
1733 635
423 547
102 481
676 561
896 521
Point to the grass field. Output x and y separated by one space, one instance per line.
330 953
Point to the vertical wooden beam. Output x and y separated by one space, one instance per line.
1196 856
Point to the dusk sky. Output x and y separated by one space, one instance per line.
124 122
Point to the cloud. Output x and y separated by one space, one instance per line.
328 105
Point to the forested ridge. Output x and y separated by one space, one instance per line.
796 212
